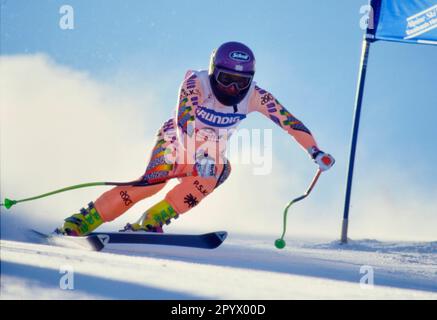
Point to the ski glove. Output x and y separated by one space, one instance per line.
205 165
324 160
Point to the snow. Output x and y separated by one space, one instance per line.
244 267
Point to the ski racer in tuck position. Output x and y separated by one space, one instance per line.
211 105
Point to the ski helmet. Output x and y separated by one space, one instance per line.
231 71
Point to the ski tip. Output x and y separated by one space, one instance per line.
39 233
222 235
215 239
88 242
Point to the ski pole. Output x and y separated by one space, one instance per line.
280 243
8 203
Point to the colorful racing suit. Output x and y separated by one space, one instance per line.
201 127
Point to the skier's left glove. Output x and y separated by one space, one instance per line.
324 160
205 165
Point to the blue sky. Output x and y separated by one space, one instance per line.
307 56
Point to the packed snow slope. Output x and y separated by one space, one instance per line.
244 267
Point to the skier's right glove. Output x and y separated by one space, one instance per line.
324 160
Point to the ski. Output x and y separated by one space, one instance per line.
96 241
88 243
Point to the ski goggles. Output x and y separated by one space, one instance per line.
227 78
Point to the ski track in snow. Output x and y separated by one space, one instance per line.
242 268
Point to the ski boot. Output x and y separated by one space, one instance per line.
81 224
154 218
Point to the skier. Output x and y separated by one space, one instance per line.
211 105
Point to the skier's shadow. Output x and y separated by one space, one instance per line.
45 283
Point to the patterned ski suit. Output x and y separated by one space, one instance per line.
202 126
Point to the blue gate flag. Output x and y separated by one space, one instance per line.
413 21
